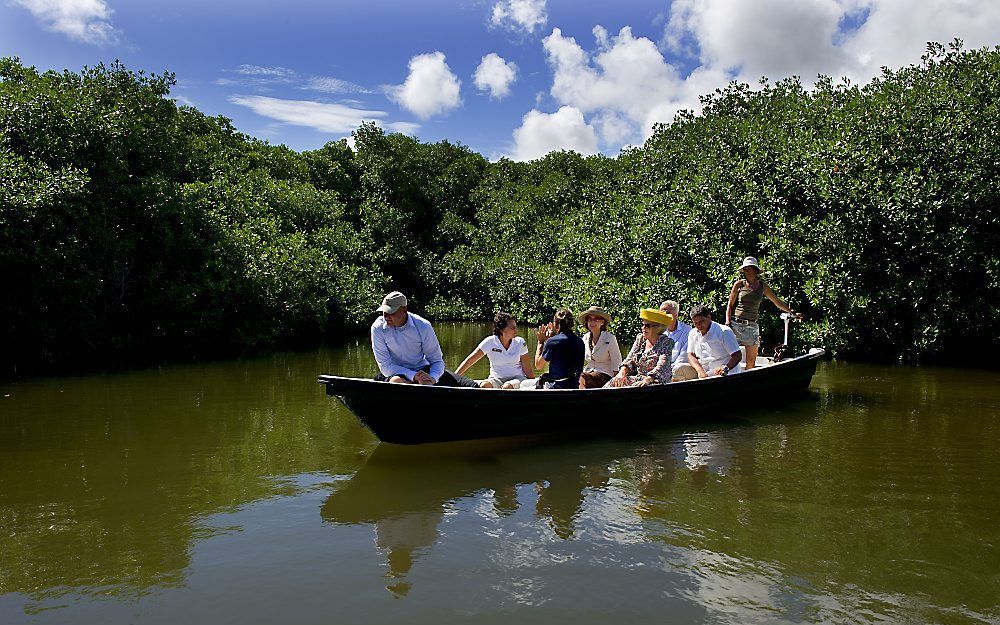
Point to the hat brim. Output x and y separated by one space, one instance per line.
384 308
745 265
582 317
656 316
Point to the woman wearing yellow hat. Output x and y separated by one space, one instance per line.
648 362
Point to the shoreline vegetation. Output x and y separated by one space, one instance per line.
134 229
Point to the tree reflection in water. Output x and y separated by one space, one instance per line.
404 493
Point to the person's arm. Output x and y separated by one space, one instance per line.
542 333
383 358
732 301
432 352
470 360
694 362
782 306
629 364
680 350
526 368
735 355
616 353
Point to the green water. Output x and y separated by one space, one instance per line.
237 492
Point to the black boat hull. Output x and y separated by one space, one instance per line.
411 414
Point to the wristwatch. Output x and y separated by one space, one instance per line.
725 370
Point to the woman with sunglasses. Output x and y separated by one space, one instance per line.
648 362
603 356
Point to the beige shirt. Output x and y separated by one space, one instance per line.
605 356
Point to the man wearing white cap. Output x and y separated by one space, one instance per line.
407 349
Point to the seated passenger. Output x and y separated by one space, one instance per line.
561 350
712 348
407 349
679 332
648 362
507 352
603 356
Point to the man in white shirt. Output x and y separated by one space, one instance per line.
679 332
712 348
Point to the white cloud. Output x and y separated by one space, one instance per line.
430 89
495 75
780 38
624 82
88 21
406 128
897 31
333 118
273 72
624 85
327 84
320 116
519 15
540 133
758 37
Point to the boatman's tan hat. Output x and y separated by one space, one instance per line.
594 311
392 302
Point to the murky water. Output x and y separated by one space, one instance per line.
237 492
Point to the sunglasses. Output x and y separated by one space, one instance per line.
650 325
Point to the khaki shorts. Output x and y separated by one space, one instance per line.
747 332
684 372
499 382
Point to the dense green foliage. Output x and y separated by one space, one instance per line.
130 226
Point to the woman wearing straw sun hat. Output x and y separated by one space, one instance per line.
744 308
603 355
648 362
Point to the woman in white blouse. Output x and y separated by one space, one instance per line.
507 352
603 356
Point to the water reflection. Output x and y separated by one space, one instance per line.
190 494
104 479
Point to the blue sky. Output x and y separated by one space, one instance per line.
590 76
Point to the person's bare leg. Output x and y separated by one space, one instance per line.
398 379
751 356
485 384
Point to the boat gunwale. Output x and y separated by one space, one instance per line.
368 384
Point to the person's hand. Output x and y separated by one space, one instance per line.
422 377
619 380
703 374
798 315
719 371
543 332
645 381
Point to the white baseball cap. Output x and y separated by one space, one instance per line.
392 302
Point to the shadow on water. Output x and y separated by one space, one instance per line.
405 492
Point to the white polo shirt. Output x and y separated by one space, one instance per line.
714 348
504 362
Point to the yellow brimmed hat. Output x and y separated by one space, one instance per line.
656 316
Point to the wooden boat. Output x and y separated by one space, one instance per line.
411 414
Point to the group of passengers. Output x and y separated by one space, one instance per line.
665 350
